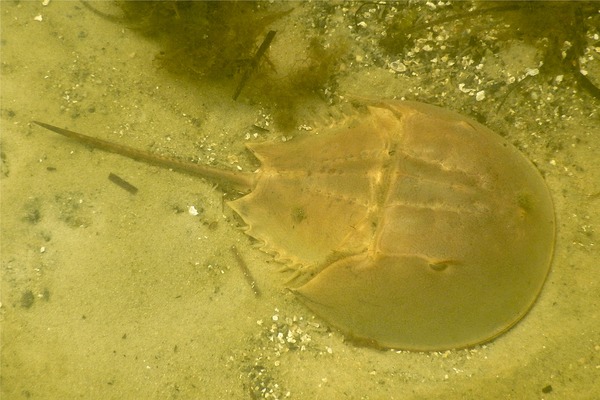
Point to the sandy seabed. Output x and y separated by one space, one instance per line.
107 295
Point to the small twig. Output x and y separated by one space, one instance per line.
122 183
245 271
254 62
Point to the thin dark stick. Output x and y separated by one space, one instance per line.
116 179
245 271
254 63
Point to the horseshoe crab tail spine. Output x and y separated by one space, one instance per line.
243 182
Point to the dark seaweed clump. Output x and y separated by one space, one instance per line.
200 38
218 41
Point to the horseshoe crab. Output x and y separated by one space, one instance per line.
409 226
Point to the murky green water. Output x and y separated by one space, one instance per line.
106 294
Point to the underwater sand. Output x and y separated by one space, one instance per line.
108 295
